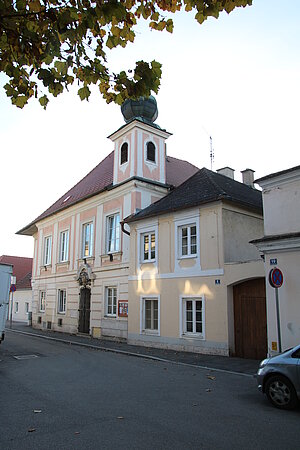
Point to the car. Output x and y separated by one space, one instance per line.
279 378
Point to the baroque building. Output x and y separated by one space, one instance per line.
150 249
81 256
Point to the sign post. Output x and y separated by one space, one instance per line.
12 290
276 281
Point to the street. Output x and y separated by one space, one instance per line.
59 396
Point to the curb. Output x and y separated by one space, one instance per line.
128 353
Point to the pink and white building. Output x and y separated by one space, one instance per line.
81 256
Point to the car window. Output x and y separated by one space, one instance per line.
296 354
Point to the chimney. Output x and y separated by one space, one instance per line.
227 171
248 177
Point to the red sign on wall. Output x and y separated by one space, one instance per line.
123 308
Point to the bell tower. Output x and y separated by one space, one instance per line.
140 144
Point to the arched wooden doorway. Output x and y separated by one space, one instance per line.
84 311
250 319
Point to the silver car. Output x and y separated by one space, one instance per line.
279 378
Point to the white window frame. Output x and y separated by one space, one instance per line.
116 231
148 235
182 316
64 246
143 329
183 219
148 228
189 244
125 163
148 161
114 289
26 307
47 250
91 241
62 292
42 301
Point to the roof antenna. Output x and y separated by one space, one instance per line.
211 153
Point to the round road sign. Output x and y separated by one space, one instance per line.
276 278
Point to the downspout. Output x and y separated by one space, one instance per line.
123 229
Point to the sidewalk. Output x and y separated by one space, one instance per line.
218 363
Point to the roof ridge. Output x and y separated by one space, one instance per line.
209 174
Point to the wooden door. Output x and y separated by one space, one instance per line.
84 311
250 319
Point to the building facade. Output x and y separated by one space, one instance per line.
281 248
81 256
196 283
20 301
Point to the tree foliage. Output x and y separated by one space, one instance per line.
45 45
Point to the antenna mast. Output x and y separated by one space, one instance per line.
211 153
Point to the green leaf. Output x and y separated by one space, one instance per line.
19 101
84 93
44 101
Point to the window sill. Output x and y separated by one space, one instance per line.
111 257
150 332
107 316
61 313
191 336
87 258
45 267
62 263
42 311
148 261
188 257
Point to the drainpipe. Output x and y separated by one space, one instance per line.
123 229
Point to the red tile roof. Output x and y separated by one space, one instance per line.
22 268
101 178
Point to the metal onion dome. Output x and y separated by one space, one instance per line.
145 109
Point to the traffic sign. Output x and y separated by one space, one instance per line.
276 278
13 288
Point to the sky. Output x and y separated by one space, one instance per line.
236 79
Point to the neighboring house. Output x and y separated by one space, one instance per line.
21 299
81 257
281 248
196 283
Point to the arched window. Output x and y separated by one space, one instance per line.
150 152
124 153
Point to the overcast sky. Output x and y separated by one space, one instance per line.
235 78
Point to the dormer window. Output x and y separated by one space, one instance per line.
150 152
124 153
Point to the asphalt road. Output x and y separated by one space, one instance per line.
69 397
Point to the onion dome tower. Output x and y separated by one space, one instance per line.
140 149
144 109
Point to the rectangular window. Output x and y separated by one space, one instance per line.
150 314
47 250
113 233
148 245
42 301
64 246
16 307
26 307
188 240
87 239
193 316
111 301
62 298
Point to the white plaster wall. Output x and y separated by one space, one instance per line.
21 296
282 208
289 300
